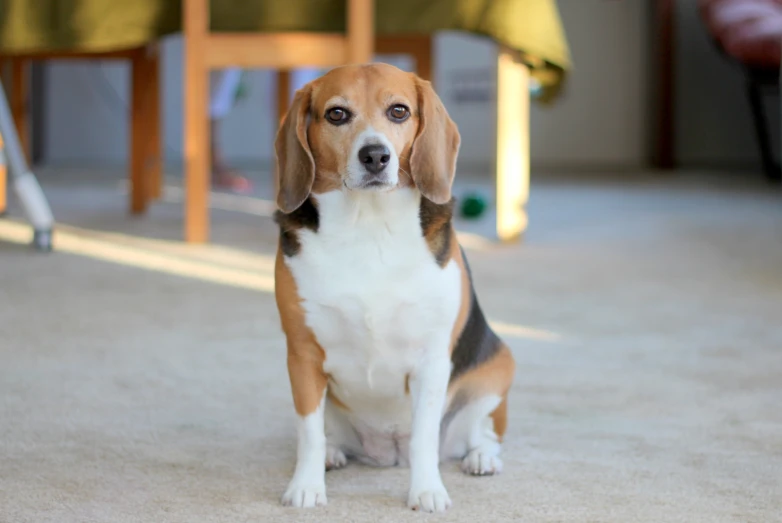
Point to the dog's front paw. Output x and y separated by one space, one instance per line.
432 498
335 459
482 462
300 495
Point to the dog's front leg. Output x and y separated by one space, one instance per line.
428 388
307 488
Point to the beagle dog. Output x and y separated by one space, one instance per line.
390 359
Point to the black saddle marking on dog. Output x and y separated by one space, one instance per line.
436 228
477 342
305 217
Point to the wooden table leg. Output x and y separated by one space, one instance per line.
195 18
664 155
3 163
155 173
3 179
360 31
283 103
423 58
139 127
513 151
419 47
283 94
20 106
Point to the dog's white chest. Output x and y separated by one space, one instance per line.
374 297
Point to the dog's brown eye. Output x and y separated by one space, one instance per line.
337 115
398 113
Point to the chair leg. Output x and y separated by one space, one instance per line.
28 190
513 151
360 31
283 103
770 166
195 19
3 163
419 47
139 131
423 58
155 169
20 106
3 179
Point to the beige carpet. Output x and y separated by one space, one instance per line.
645 314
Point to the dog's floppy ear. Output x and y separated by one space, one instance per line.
436 146
295 165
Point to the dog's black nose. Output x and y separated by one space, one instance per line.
374 157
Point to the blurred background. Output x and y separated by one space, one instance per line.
619 202
604 119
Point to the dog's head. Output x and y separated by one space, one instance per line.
365 128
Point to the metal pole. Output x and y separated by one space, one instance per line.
26 186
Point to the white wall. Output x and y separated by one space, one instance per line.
601 119
599 122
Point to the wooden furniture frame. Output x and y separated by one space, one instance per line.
206 50
664 48
757 82
3 179
145 155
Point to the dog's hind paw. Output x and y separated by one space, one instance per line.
335 458
482 462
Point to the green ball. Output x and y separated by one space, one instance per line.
473 206
242 90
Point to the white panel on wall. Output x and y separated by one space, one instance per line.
461 61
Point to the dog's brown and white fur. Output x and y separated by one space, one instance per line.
390 358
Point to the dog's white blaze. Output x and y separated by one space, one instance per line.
355 169
380 307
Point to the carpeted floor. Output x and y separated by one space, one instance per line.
144 381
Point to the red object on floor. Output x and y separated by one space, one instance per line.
750 31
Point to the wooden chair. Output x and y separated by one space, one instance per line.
145 172
205 50
3 180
